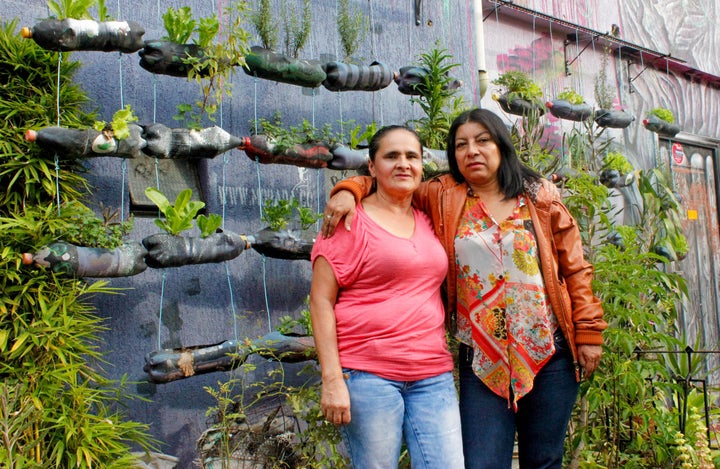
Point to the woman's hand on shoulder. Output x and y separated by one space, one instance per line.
340 205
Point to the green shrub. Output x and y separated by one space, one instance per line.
571 96
662 114
519 85
56 409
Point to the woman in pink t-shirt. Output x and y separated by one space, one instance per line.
378 322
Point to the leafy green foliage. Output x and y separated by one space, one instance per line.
352 26
436 99
212 68
297 28
571 96
527 135
83 228
604 93
178 216
56 408
278 214
119 123
265 26
662 114
616 160
77 9
30 89
208 224
102 11
519 85
358 135
179 24
285 137
626 417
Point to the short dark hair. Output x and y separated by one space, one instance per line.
375 140
512 172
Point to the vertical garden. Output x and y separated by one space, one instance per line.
57 408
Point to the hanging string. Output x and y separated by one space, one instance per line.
160 317
553 60
578 85
503 64
260 203
57 113
223 202
157 185
123 162
532 48
470 39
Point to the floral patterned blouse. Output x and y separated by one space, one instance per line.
503 310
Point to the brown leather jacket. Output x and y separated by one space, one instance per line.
568 276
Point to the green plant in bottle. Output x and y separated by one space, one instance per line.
178 216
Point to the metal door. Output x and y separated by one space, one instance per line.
694 174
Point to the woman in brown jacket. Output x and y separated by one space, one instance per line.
518 292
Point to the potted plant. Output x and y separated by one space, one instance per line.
661 121
435 92
287 235
208 59
519 94
264 62
616 171
352 156
91 247
570 105
77 31
186 143
118 138
167 365
303 146
169 249
345 75
607 116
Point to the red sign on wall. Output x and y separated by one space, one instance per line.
678 154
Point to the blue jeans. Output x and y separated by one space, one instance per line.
489 424
383 411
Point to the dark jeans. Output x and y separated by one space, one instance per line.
489 424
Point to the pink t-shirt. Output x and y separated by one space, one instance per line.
389 313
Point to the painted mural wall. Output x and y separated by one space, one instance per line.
245 297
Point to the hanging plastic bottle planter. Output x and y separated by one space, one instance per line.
519 94
614 119
518 106
76 143
169 58
65 258
164 366
662 122
166 250
182 143
308 155
349 77
86 35
570 105
269 65
411 79
563 109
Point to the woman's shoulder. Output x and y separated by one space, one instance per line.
542 191
440 182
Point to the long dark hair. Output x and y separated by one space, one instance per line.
512 172
374 144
